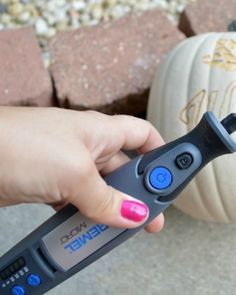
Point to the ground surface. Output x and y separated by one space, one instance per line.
188 257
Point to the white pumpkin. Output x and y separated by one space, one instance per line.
199 75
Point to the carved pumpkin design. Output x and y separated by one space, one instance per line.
199 75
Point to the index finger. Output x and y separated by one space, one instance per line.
137 134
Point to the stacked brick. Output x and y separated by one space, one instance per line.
23 78
202 16
108 67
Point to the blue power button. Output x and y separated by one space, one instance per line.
160 178
33 280
17 290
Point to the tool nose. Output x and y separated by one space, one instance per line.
229 123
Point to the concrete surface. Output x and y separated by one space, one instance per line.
187 257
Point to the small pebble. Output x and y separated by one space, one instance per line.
24 17
61 26
78 5
41 26
50 18
97 12
5 20
15 9
84 18
51 32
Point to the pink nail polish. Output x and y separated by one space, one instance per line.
134 211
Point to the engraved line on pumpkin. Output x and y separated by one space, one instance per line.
211 102
226 107
194 104
224 55
202 95
197 100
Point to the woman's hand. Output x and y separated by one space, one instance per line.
47 154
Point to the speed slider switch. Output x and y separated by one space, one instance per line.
184 161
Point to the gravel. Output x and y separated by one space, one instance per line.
50 17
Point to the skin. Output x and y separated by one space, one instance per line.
46 155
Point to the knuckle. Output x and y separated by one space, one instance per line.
78 167
105 207
72 173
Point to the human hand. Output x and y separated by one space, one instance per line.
46 155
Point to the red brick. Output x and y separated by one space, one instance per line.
203 16
110 67
24 80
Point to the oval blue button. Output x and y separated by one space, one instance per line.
17 290
160 178
33 280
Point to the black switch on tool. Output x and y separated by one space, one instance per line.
184 161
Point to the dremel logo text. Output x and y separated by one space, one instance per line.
84 238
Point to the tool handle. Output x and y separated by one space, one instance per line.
67 242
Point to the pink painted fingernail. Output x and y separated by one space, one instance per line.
134 211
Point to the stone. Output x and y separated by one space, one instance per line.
110 67
41 27
5 19
24 17
79 5
15 9
203 16
97 12
24 80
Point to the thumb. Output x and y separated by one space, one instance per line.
104 204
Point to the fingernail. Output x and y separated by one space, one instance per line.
134 211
